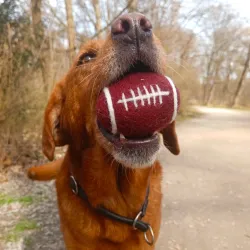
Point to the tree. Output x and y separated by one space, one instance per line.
133 6
37 24
242 78
96 5
220 35
70 29
7 12
41 44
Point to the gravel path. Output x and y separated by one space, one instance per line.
30 221
207 187
206 192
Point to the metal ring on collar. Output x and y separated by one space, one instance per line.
152 236
75 188
136 219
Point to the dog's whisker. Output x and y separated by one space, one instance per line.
171 68
179 64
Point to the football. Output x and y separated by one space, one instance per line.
138 105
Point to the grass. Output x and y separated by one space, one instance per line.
27 241
6 199
12 237
21 227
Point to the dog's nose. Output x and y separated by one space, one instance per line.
131 27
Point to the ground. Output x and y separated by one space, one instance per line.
206 192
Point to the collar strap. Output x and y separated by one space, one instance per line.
136 223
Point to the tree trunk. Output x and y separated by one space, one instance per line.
242 78
10 61
70 29
96 6
210 94
216 76
133 6
225 88
37 25
208 77
186 51
40 42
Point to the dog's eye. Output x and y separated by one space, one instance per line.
85 58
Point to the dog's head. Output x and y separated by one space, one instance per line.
71 114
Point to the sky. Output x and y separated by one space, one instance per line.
241 6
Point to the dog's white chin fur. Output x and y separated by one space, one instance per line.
137 160
134 161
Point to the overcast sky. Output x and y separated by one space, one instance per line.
240 6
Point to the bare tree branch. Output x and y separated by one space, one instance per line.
70 28
56 16
104 28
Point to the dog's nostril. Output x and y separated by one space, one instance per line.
145 24
120 26
117 28
126 25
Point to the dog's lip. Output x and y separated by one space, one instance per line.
129 142
136 67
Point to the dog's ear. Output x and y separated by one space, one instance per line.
170 139
52 133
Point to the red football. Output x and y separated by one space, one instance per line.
138 105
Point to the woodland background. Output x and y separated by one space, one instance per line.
207 46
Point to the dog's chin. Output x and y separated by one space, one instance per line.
141 160
133 152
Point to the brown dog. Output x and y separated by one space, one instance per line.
105 192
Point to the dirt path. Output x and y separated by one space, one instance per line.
28 215
207 188
206 192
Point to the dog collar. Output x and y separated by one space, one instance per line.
136 223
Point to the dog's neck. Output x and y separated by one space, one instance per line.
119 189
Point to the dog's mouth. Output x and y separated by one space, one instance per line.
133 152
132 149
136 67
121 141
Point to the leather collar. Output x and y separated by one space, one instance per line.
136 223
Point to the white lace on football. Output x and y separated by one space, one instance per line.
111 110
150 97
175 98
